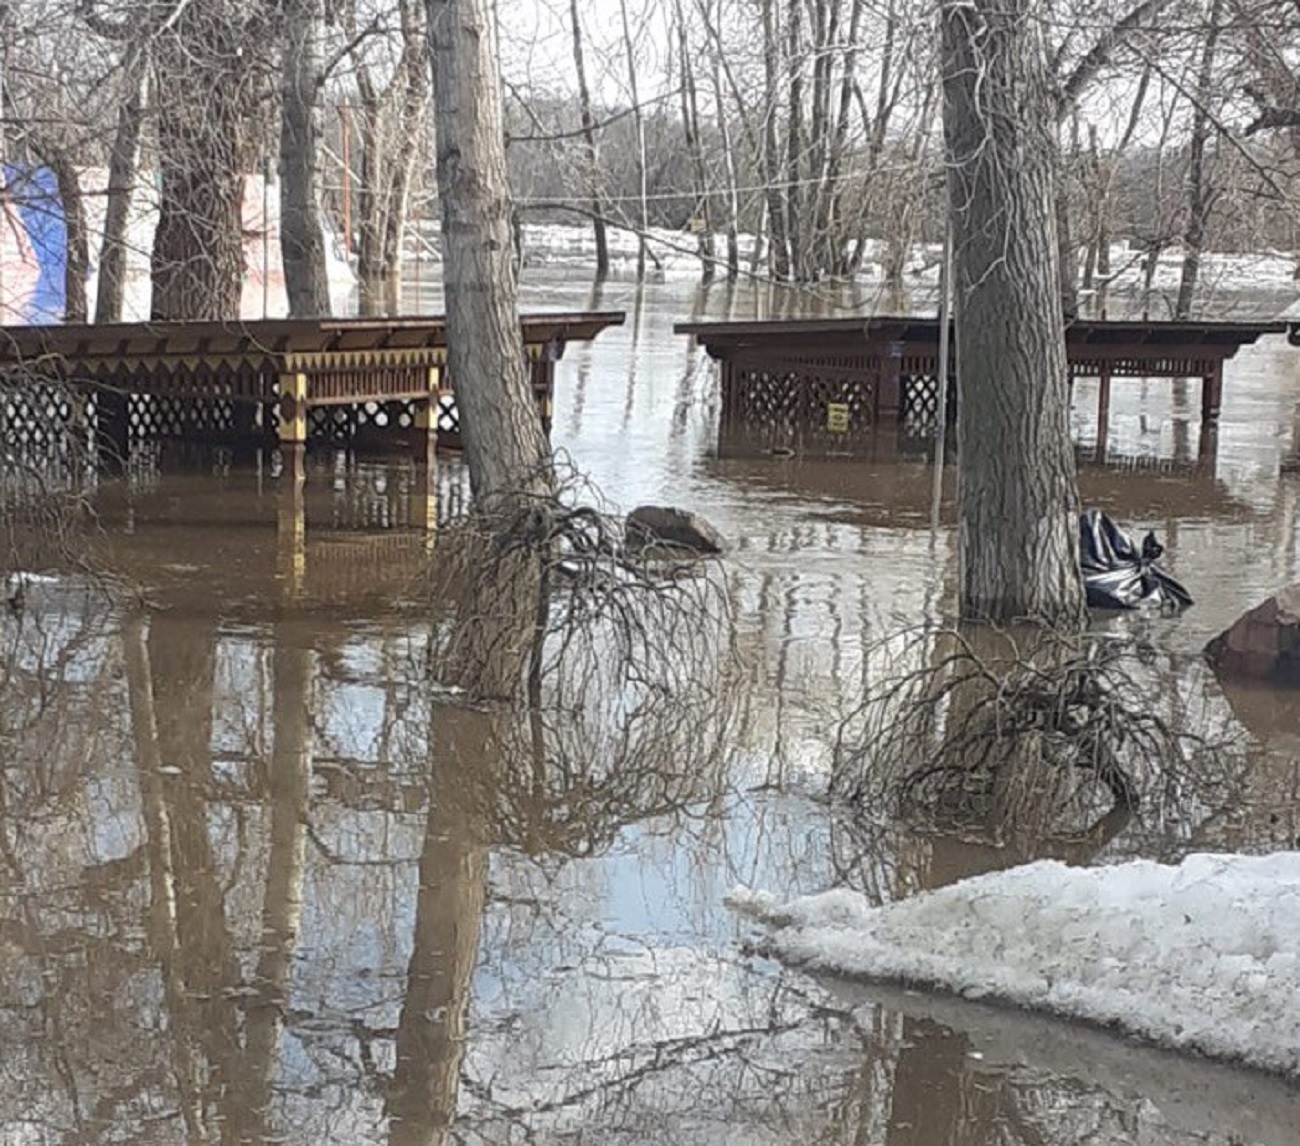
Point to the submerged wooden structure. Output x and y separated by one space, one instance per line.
346 381
810 383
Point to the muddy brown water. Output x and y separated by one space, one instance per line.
261 882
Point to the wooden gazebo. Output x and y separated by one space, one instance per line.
814 382
282 379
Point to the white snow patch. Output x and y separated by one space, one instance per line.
1204 956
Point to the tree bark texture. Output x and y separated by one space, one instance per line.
703 216
505 447
392 116
1200 192
1017 491
599 230
76 266
123 165
198 253
302 239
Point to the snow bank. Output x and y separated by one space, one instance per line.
1204 956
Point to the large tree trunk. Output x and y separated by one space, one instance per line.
123 162
502 433
198 251
1018 498
505 447
306 277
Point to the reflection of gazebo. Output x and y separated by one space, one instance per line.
820 383
338 379
258 546
891 488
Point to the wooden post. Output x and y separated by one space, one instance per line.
889 399
426 422
291 521
1211 396
729 399
293 408
424 495
1208 448
541 362
1103 410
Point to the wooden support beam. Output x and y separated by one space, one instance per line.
291 522
1103 410
1211 396
426 421
293 408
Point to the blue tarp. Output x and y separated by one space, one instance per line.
34 191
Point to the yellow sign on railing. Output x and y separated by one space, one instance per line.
837 417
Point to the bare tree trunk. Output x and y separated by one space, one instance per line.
123 163
372 199
599 229
306 277
638 123
841 263
1018 498
76 265
198 252
712 22
1104 202
773 168
411 112
391 117
1067 246
703 215
729 161
1200 196
504 444
796 222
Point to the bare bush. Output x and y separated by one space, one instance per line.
1042 743
607 671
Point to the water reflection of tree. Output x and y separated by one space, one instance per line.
622 715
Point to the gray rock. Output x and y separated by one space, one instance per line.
657 526
1263 644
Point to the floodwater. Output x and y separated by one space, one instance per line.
262 881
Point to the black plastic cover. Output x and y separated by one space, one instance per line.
1119 575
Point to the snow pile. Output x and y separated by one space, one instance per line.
1204 956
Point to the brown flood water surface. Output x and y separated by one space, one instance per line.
262 881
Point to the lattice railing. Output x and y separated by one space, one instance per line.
344 424
38 416
918 412
155 416
817 405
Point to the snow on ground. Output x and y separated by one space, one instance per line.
1204 956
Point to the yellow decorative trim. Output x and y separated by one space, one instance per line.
328 360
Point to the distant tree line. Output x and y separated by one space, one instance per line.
791 139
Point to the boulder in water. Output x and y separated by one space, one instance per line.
657 526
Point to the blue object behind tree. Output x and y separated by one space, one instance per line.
34 191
